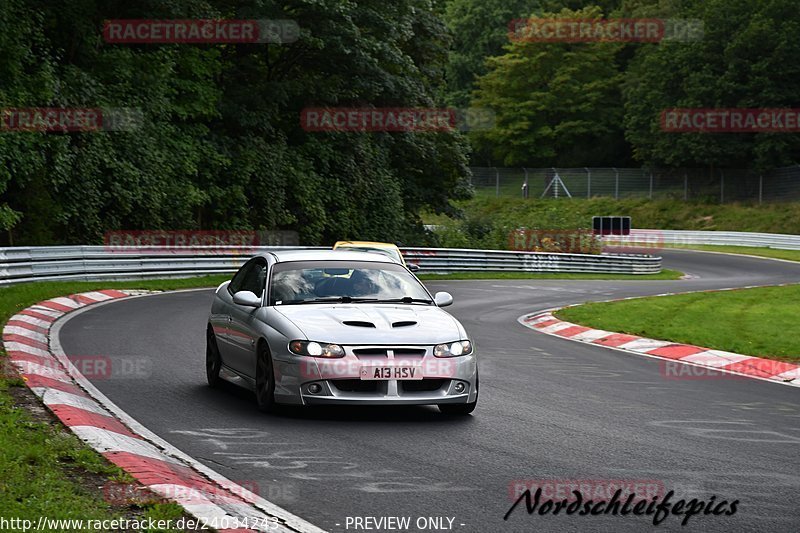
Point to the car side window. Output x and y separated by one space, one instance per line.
238 279
251 277
255 278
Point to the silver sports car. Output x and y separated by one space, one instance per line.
336 327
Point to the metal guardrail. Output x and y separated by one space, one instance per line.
436 260
89 263
654 238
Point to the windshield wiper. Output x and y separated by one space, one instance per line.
406 300
335 299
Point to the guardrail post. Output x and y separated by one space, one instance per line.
616 184
496 182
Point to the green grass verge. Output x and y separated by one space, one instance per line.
664 274
789 255
783 217
44 469
488 221
755 322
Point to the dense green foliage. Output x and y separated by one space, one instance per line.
221 145
598 104
749 58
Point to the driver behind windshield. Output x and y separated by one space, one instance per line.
361 284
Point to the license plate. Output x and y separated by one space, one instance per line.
383 373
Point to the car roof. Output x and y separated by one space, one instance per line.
370 244
284 256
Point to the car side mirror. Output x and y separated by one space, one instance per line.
247 299
412 267
442 299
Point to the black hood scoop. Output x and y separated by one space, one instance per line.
358 324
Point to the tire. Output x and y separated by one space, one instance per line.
461 409
213 359
265 380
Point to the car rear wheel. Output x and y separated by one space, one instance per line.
461 409
213 359
265 380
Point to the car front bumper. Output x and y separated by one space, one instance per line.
314 381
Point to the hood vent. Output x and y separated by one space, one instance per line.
358 324
404 324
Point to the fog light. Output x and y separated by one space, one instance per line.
315 388
459 387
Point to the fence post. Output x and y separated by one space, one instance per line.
760 188
685 186
651 185
588 182
525 191
555 182
497 182
616 184
721 186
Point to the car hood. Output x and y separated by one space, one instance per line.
373 323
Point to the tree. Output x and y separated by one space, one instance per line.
555 103
749 57
220 144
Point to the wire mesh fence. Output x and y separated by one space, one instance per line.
717 185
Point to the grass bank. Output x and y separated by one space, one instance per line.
788 255
488 221
755 322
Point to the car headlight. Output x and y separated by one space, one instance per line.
453 349
316 349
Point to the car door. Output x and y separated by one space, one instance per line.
243 330
220 318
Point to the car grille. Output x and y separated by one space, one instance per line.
355 385
379 355
422 385
370 352
400 352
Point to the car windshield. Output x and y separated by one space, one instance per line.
389 252
344 281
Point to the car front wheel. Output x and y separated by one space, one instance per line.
265 380
213 359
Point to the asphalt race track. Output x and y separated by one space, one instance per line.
549 409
